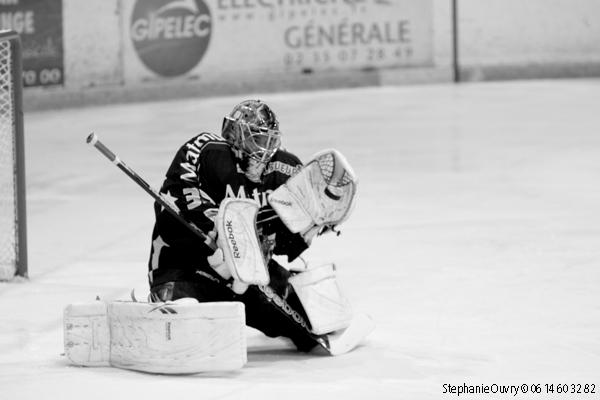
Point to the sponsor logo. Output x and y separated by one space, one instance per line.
283 306
261 198
238 5
286 169
231 237
170 37
347 34
193 148
292 10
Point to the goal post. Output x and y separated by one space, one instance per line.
13 232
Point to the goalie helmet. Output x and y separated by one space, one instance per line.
252 128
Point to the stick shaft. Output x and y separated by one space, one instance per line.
171 208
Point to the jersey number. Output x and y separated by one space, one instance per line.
157 246
192 196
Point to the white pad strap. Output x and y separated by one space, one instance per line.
321 194
86 334
237 237
170 338
326 306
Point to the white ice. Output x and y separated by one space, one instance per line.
475 243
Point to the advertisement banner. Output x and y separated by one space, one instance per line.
224 39
39 23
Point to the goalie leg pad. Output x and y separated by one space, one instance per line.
178 337
325 305
86 334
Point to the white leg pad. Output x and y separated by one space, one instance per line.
86 334
327 308
168 338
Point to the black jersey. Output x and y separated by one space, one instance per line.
204 171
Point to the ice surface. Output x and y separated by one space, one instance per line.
475 243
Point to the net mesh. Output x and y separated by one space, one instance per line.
333 172
8 228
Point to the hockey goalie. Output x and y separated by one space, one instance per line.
263 209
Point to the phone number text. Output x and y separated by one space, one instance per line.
515 390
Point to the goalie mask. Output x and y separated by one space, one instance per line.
252 129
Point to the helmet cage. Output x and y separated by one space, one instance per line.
257 142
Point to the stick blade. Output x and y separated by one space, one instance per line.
344 341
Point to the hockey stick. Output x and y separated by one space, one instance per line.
93 140
337 344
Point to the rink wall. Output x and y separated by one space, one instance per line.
104 51
133 50
521 39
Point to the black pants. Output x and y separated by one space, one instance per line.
261 313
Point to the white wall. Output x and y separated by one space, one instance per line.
101 66
497 39
529 37
92 43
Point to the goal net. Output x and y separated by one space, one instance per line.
13 252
